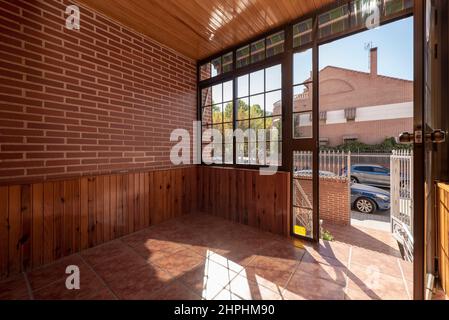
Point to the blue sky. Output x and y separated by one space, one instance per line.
395 50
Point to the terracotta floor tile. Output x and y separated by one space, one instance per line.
334 251
313 256
180 262
206 257
226 295
205 284
14 288
270 278
55 271
105 253
91 288
282 250
140 284
328 272
376 285
251 290
174 291
115 266
384 263
272 263
306 286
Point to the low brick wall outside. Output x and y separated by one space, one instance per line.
334 201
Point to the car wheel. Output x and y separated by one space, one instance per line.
365 205
354 180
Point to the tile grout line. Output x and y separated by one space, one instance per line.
282 293
27 282
165 270
404 280
98 277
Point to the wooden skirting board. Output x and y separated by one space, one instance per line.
45 221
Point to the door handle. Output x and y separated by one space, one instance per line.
406 137
436 136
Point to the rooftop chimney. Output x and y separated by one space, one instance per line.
373 61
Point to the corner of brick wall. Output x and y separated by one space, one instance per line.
335 206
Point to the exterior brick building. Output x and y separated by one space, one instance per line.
361 106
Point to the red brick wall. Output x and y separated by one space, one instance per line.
335 204
95 100
334 201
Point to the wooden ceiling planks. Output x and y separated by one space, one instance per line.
200 28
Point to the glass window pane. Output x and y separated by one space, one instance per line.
227 91
333 21
217 153
206 96
252 153
206 116
227 62
227 132
216 66
242 56
243 126
242 153
275 44
243 86
219 128
273 78
274 153
255 127
273 103
302 33
217 94
228 111
243 109
258 51
257 106
361 10
302 125
217 113
257 82
257 124
273 123
228 153
395 6
302 67
205 71
302 98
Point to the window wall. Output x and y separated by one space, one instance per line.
259 107
268 83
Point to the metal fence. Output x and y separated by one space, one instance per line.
401 181
333 164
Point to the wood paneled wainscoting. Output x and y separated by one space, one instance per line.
247 197
443 234
42 222
45 221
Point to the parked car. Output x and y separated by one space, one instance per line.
368 199
364 198
370 174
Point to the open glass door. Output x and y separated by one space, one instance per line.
304 176
429 121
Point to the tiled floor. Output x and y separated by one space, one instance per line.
203 257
